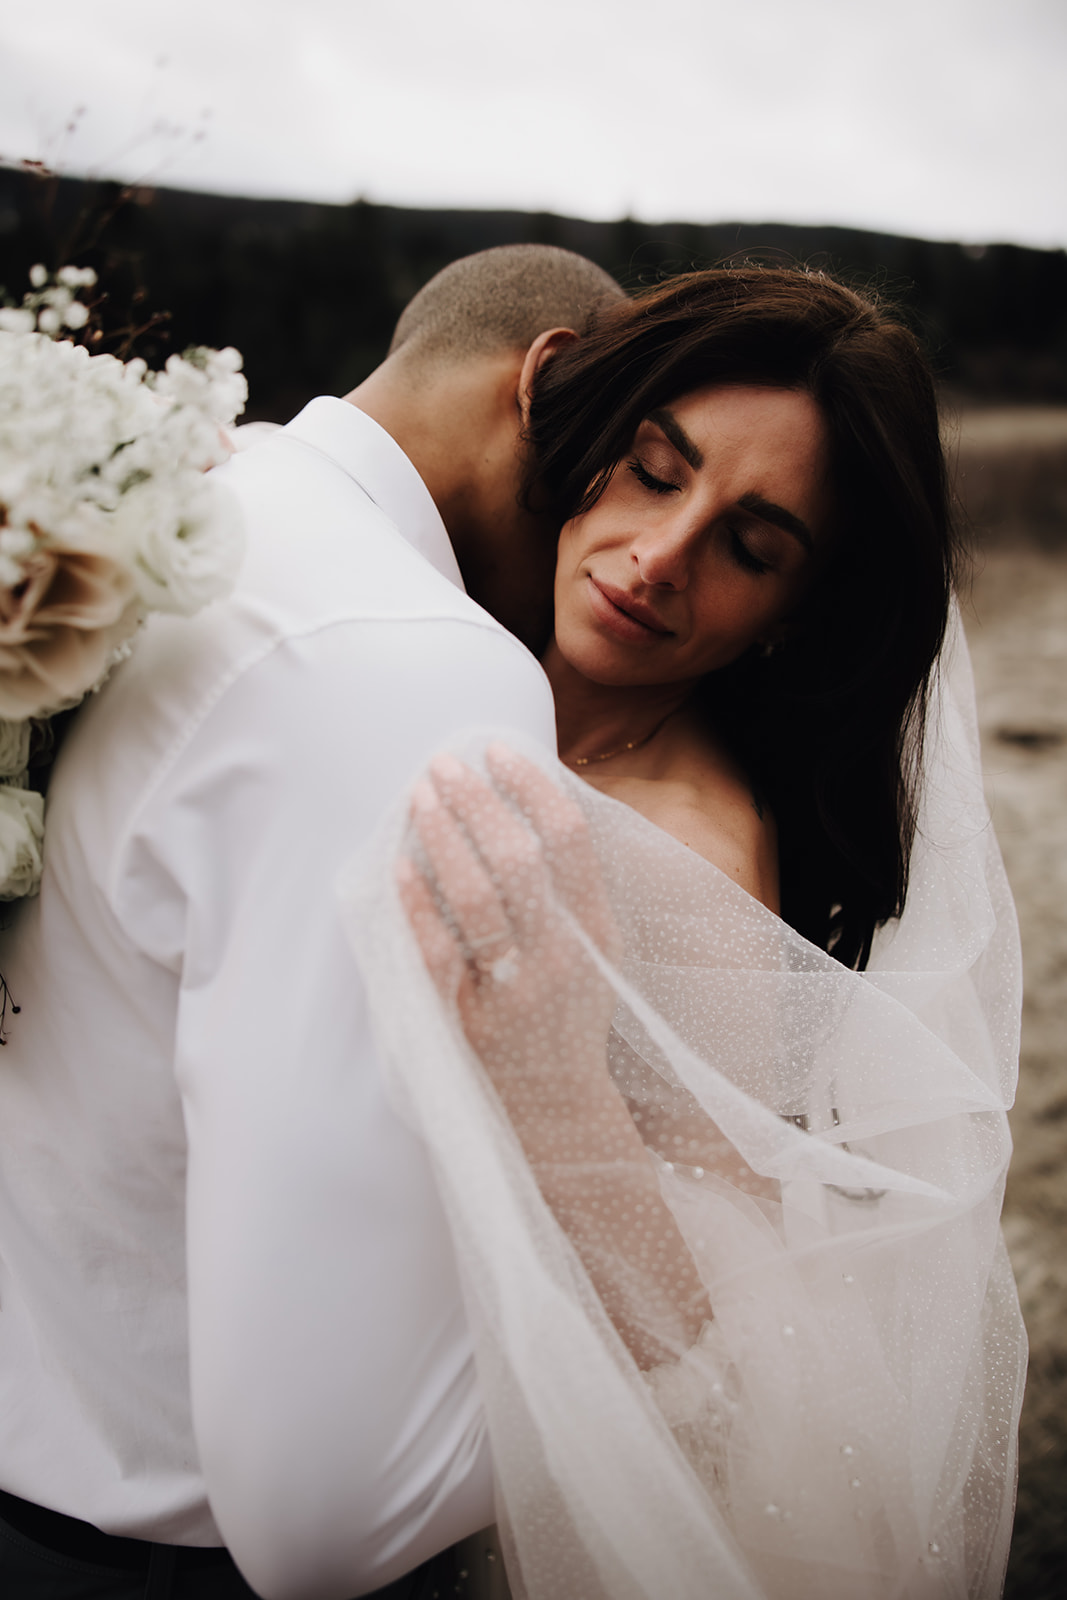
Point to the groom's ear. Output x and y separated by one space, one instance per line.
543 349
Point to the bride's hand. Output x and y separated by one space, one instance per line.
489 905
506 903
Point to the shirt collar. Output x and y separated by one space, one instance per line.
363 449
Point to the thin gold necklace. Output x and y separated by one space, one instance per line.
634 744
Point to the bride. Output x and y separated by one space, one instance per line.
712 1029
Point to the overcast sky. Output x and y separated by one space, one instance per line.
941 118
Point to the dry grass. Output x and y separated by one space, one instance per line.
1014 478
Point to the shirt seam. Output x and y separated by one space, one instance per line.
238 669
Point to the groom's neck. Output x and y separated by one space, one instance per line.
461 428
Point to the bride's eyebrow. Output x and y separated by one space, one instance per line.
672 428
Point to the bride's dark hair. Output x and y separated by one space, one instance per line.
830 725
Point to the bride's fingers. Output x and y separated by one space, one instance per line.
475 905
440 952
562 827
510 851
555 817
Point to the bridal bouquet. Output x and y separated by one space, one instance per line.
105 516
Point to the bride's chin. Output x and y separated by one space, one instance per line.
609 672
588 655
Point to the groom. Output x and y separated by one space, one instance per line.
230 1311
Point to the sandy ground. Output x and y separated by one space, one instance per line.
1017 627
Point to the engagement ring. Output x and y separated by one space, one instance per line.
500 969
505 969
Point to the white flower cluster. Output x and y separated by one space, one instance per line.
105 515
101 455
52 305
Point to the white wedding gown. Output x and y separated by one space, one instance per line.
844 1428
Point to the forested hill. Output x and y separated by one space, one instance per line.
310 292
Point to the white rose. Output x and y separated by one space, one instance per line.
14 748
186 547
21 840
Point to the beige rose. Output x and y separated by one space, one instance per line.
59 628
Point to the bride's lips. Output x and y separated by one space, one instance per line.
626 616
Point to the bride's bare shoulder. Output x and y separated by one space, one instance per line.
707 804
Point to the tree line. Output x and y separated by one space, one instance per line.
310 293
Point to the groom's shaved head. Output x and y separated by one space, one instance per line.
500 299
452 393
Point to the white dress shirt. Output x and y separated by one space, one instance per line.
228 1304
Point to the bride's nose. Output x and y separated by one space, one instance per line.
662 556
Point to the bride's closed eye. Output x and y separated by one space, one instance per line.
746 557
648 480
739 549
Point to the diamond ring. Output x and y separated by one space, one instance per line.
505 969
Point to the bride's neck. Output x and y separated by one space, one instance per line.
592 718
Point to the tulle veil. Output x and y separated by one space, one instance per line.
844 1427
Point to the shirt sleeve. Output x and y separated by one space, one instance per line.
334 1397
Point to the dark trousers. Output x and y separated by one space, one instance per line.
47 1557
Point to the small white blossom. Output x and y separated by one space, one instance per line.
52 303
210 380
73 278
